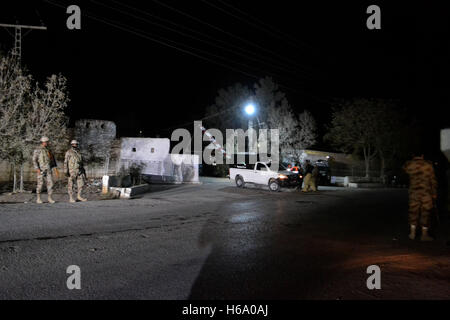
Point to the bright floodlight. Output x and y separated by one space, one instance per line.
250 109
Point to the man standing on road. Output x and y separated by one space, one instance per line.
44 162
308 183
422 195
74 170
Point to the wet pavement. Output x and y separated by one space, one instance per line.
215 241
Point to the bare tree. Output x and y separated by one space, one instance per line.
46 113
273 110
308 130
28 112
14 90
227 110
295 132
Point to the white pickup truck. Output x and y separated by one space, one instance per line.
261 174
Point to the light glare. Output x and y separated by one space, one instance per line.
250 109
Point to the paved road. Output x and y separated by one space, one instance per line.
214 241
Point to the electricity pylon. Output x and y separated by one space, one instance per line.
17 52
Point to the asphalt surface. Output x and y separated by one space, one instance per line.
215 241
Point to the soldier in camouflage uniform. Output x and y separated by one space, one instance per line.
73 167
44 162
422 194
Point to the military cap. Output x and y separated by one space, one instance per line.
44 139
74 142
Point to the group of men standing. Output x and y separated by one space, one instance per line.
310 174
44 163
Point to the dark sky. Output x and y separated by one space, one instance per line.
317 50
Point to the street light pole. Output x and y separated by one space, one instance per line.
250 110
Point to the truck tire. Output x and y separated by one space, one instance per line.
274 185
240 182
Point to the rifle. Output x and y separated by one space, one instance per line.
53 164
82 172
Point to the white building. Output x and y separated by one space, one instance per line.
158 165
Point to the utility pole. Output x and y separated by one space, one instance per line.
17 52
18 36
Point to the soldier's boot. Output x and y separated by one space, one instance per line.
79 197
38 200
412 233
50 199
425 236
71 200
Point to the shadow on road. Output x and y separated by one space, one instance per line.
275 251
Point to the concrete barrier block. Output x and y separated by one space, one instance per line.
127 193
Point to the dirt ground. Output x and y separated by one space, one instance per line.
92 191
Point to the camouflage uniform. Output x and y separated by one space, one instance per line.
308 182
44 160
422 190
73 163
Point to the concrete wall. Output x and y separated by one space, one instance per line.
95 136
144 149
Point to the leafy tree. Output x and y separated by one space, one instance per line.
371 126
353 129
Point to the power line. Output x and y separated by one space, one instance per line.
193 37
227 33
266 29
283 86
211 4
140 33
18 36
239 48
251 75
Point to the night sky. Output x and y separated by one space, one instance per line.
318 51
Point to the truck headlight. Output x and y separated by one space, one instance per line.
282 176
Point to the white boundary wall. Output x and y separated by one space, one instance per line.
157 164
